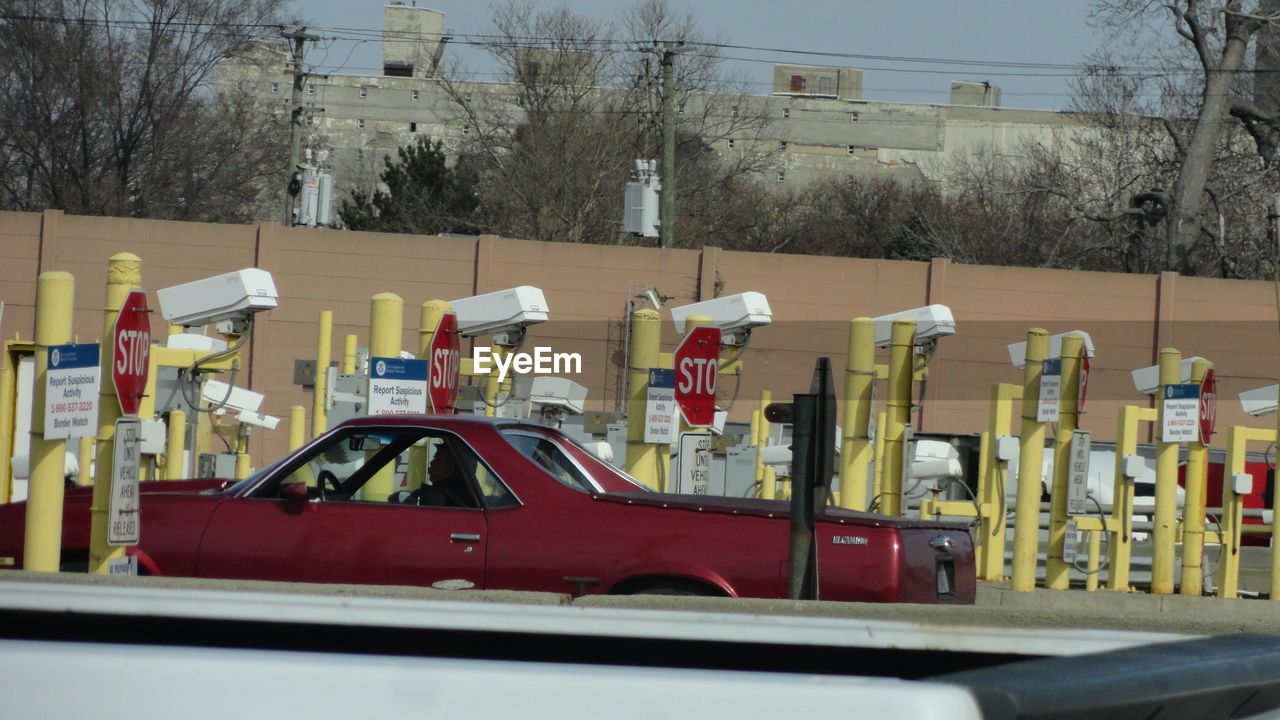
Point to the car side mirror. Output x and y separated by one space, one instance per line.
295 492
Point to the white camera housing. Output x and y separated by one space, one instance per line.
1260 401
735 315
932 322
499 312
1147 379
560 393
214 392
1018 350
231 296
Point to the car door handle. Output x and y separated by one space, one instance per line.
465 537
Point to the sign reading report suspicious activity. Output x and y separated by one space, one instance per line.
71 397
660 407
397 386
1180 418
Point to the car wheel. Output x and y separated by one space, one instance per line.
686 588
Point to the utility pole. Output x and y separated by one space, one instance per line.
667 198
292 184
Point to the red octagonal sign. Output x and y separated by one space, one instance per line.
1208 405
131 354
445 355
697 364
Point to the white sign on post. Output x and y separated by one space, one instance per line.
124 511
71 396
1050 390
1071 542
1078 472
1180 419
660 407
397 386
695 464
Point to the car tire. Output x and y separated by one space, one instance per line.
676 587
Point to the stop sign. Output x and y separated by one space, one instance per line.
131 353
697 364
444 358
1208 405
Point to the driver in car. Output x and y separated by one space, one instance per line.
446 486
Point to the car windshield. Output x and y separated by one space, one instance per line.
568 462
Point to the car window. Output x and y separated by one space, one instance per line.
551 458
411 466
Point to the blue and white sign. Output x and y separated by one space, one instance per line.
71 395
397 386
1180 415
660 407
1050 391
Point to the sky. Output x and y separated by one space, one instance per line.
1005 42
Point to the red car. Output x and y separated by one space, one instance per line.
461 502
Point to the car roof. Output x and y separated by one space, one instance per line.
449 421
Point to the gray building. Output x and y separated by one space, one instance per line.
820 126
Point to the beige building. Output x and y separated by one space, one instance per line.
820 126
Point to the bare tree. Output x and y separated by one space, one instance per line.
107 108
1196 108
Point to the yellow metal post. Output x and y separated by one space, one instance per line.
1192 582
124 273
646 462
349 354
768 480
1057 570
859 381
175 445
42 549
1121 545
428 320
1166 501
324 349
8 371
901 358
994 474
1228 573
878 472
84 461
244 463
297 427
493 389
1095 552
386 327
1026 527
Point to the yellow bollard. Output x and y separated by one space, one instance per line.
878 461
124 273
768 481
1026 528
646 462
324 349
1121 545
901 359
244 463
1165 517
8 371
1228 573
84 460
297 427
1057 570
859 381
386 326
42 549
175 445
994 473
1192 582
1095 552
349 354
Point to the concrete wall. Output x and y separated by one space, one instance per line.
590 288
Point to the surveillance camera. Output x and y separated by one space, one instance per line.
231 296
654 299
555 392
1147 379
220 394
501 312
257 419
932 322
735 315
1259 401
1018 350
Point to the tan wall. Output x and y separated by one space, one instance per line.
589 289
